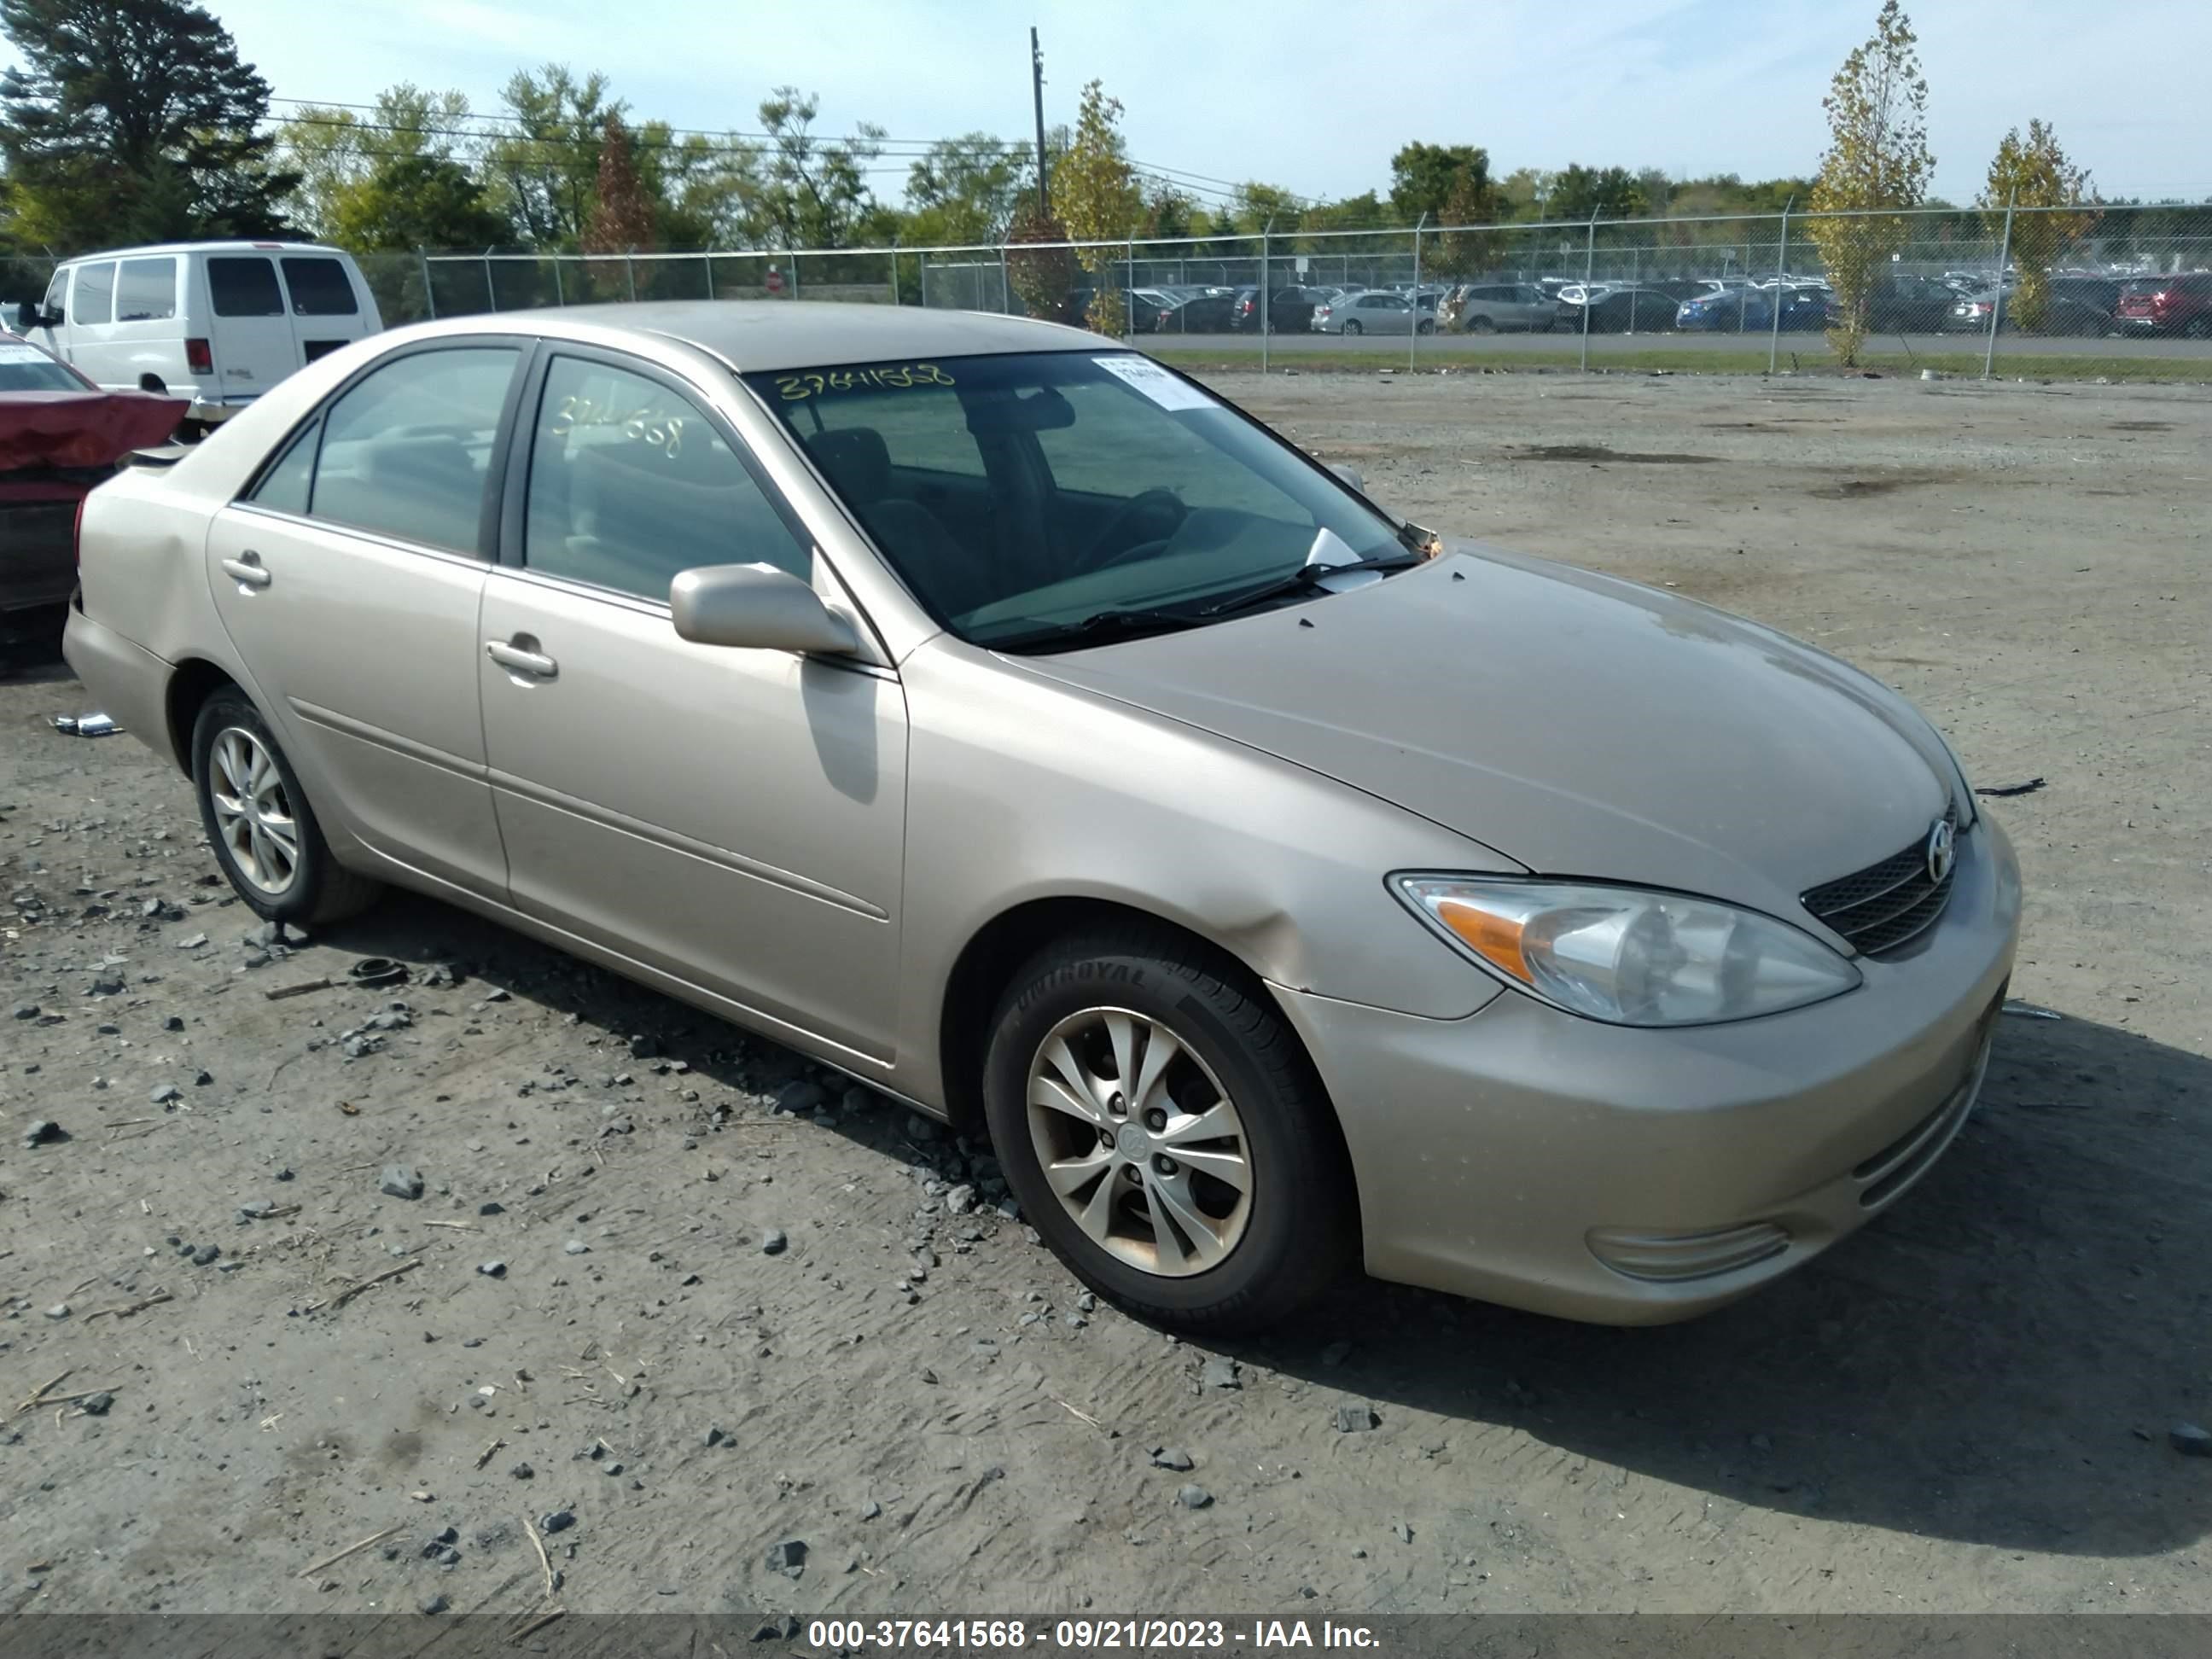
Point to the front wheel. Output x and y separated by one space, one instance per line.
1425 327
1164 1134
258 819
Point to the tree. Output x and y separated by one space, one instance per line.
1255 205
1095 192
2054 203
1581 192
542 174
359 176
815 192
134 120
1042 278
1877 158
969 187
417 201
1463 252
1422 177
622 216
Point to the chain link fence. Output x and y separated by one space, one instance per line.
2089 292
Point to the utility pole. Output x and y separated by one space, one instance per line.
1037 94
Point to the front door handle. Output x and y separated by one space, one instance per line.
517 656
247 570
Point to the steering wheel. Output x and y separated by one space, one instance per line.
1139 512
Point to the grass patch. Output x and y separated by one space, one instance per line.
1811 360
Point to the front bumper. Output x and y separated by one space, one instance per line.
1489 1150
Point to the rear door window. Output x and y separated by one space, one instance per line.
94 300
286 485
146 291
320 287
244 285
405 452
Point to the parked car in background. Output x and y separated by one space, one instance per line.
2078 306
1287 308
2082 305
1369 311
1625 309
59 436
216 324
2167 304
1751 311
1205 311
1144 307
1494 307
1903 303
1514 930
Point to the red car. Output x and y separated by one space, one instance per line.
2167 304
59 436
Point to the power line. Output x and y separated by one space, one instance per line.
888 147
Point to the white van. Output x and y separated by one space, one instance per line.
217 323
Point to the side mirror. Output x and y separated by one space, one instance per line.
755 607
1350 475
37 317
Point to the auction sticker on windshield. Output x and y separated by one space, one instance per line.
1155 382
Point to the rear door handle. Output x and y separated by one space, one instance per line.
518 658
247 570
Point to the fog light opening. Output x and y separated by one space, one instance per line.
1673 1258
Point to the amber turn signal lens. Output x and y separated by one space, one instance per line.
1496 939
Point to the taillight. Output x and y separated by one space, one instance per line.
198 357
76 535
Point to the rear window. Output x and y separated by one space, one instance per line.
243 286
320 287
146 291
94 299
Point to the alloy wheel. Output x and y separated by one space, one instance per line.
252 812
1139 1142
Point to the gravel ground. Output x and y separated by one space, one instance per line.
768 1342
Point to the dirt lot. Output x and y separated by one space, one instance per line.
1966 1407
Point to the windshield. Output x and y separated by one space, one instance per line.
24 368
1019 493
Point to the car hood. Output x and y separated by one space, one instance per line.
1579 725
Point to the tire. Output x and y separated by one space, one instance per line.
1353 327
1425 327
230 744
2197 328
1480 326
1231 1261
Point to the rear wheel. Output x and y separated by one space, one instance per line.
258 819
1480 325
2197 328
1164 1134
1352 327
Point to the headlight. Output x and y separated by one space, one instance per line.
1626 956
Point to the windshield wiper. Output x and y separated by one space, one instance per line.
1307 578
1127 622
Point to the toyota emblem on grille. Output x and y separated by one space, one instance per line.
1940 851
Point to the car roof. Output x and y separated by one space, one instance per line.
778 334
203 247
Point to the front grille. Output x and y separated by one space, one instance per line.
1887 904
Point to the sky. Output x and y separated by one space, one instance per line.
1315 97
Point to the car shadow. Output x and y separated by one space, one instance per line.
1996 1359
